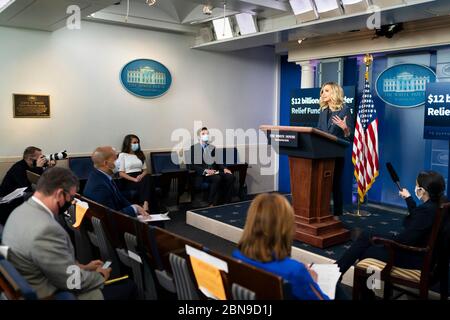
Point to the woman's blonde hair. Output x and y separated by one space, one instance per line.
269 229
337 97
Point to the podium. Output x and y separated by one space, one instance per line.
311 154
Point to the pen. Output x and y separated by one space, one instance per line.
117 279
310 266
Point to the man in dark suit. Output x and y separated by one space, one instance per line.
101 187
16 177
219 178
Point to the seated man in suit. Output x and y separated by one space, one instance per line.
16 177
41 250
101 187
207 170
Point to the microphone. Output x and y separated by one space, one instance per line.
394 175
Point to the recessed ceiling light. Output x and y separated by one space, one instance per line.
150 2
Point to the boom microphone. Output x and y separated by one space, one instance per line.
394 175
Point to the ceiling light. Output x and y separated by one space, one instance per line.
304 10
150 2
301 40
5 4
207 9
246 23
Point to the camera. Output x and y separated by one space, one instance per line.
53 156
56 156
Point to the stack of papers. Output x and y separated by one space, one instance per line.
19 192
154 217
327 278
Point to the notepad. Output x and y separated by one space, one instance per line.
327 278
19 192
154 217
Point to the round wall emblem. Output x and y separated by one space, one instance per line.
146 78
404 85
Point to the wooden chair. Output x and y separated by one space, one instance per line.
434 269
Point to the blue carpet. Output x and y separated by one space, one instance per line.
380 222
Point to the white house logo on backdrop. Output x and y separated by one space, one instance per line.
146 78
404 85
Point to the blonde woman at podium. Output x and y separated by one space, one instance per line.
335 118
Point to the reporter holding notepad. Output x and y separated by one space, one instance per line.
266 244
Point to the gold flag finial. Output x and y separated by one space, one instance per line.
368 59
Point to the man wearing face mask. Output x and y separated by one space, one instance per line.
100 186
219 178
417 226
39 247
16 177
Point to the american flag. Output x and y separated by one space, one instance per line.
365 143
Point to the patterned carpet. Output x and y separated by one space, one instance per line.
381 222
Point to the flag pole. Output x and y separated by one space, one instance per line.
368 59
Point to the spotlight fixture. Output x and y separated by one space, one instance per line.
207 9
389 30
150 2
301 40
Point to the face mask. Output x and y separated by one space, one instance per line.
112 167
135 147
64 207
205 138
416 191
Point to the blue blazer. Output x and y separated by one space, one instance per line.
326 124
104 191
292 271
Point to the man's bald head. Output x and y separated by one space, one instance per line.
101 156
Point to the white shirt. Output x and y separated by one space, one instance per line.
129 163
39 202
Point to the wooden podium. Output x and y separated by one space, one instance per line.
311 164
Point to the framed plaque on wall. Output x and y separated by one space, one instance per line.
31 106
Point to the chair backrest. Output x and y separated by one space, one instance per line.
435 237
98 222
81 166
240 293
265 285
32 177
162 161
185 286
12 284
168 242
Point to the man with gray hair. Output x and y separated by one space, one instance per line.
100 186
39 247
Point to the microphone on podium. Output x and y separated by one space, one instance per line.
394 175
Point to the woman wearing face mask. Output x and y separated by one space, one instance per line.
133 171
335 118
417 226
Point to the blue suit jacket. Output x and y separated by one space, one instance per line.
104 191
327 125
